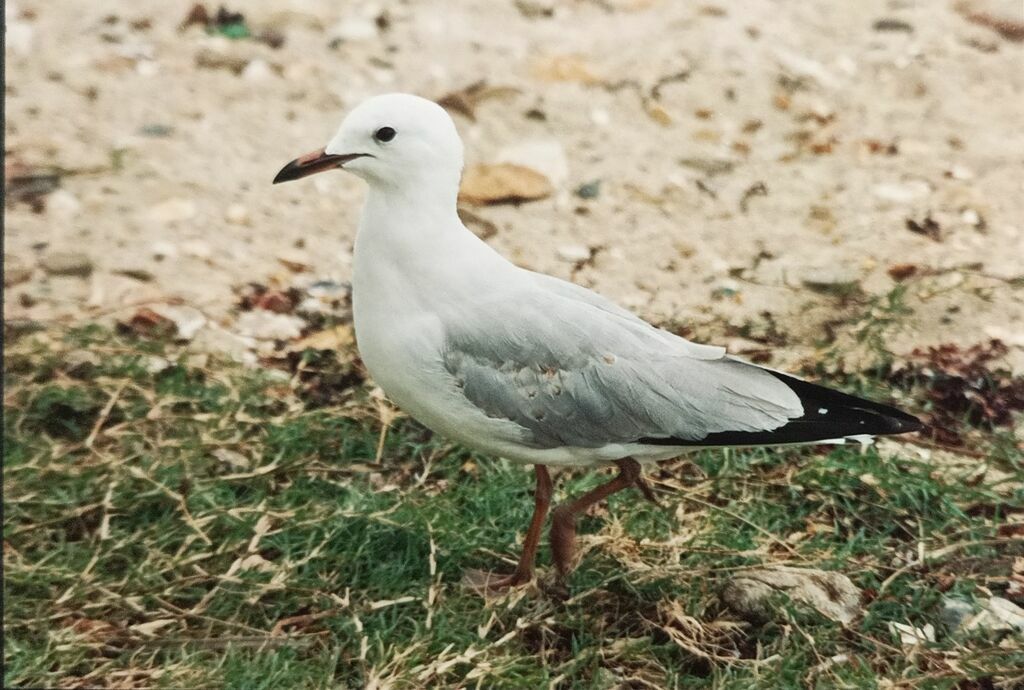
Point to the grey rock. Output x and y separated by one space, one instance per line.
955 611
64 263
752 594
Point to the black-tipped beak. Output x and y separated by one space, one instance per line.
314 162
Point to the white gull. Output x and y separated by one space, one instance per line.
529 367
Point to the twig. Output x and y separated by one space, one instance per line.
91 438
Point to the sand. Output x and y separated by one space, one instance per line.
759 165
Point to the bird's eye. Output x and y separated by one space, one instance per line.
385 134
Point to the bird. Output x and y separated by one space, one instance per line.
526 366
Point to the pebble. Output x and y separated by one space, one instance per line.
998 614
237 214
546 156
573 253
63 205
590 190
15 271
901 193
837 279
61 263
354 29
266 325
709 166
960 172
216 340
173 210
257 70
80 363
955 611
19 38
600 117
971 217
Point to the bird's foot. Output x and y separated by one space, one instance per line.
647 491
486 583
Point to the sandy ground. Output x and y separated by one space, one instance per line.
754 158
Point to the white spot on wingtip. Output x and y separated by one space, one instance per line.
822 410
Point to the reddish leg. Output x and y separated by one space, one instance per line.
524 570
563 518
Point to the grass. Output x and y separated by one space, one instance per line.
171 522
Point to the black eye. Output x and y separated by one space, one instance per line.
385 134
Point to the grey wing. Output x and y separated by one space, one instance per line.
581 372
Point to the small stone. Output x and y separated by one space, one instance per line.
266 325
955 611
998 615
972 218
173 211
80 363
709 166
600 117
590 190
139 274
212 59
154 364
960 172
546 156
911 636
216 340
15 271
902 193
62 263
833 279
752 594
257 70
156 130
62 205
232 458
19 38
237 214
574 253
354 29
889 24
535 9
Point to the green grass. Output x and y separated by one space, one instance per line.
203 526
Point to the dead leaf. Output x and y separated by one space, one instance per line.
338 338
465 100
571 67
149 628
657 113
900 272
91 628
502 183
1009 27
911 636
148 323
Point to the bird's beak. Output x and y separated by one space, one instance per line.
314 162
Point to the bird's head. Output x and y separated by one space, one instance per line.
390 141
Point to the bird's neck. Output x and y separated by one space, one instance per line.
414 235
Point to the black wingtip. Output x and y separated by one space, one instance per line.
828 415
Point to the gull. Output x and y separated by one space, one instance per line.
529 367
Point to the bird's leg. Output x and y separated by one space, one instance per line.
563 518
524 569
